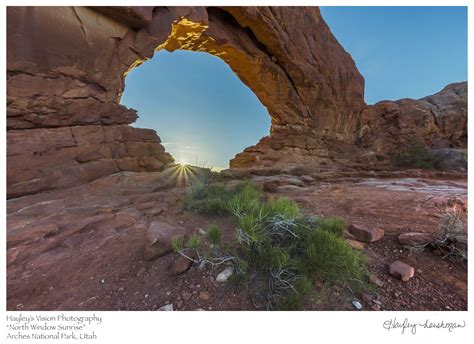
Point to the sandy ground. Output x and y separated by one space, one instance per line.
92 258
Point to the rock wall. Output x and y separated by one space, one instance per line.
66 68
439 121
46 158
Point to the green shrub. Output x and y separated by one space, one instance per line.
177 244
214 235
333 260
417 155
291 302
276 242
207 199
334 225
193 242
282 206
251 227
245 200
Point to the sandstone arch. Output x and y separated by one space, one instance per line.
66 68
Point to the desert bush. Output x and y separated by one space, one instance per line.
208 199
282 206
214 235
333 260
278 243
417 155
451 237
193 242
333 225
245 200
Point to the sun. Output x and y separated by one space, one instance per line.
182 162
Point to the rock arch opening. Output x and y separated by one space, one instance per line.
202 112
65 123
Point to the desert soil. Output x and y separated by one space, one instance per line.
91 258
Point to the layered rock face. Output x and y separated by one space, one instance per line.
46 158
439 121
66 68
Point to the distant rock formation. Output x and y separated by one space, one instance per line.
439 120
66 68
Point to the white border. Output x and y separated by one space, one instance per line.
255 327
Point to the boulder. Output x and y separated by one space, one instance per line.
159 238
401 270
365 234
415 238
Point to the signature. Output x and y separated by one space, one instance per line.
411 327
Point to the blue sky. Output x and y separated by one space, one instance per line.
204 114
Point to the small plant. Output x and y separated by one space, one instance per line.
282 206
214 235
207 198
451 238
280 251
245 200
193 242
333 260
417 155
333 225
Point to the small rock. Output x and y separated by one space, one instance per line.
366 234
375 307
179 304
367 298
187 296
401 270
356 245
204 295
102 281
357 304
168 307
307 179
181 265
224 275
377 302
414 238
159 238
375 280
141 271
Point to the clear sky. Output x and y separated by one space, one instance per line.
204 114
